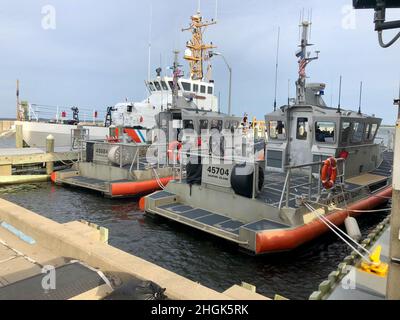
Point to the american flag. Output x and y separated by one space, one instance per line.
302 67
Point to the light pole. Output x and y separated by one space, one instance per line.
230 79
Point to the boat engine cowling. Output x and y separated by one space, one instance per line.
242 180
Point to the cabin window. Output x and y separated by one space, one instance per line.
129 108
203 124
164 85
186 86
373 128
203 89
171 84
277 130
151 86
358 132
325 132
231 125
235 124
210 90
302 128
158 86
346 128
188 125
196 88
216 124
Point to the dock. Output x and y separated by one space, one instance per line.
14 158
349 281
30 243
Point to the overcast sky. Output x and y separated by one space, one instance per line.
97 54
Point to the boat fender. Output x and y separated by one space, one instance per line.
329 173
352 229
242 180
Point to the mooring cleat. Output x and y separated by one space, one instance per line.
376 266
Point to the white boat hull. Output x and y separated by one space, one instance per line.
35 133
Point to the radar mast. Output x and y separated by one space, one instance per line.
197 51
304 59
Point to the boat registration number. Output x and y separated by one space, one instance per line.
219 175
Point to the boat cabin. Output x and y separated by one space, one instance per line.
202 128
300 134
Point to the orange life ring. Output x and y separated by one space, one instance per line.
173 151
113 139
329 173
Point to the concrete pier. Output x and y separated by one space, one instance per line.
54 242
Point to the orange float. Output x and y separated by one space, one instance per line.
289 239
136 188
329 173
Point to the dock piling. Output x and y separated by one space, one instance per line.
19 138
50 149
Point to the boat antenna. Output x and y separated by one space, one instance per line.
397 103
277 66
339 110
219 101
176 75
360 102
150 44
199 6
18 103
288 91
216 10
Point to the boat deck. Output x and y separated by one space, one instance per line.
209 221
275 183
97 178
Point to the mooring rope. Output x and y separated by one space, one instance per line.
332 227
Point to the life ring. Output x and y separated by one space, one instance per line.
173 151
329 173
113 139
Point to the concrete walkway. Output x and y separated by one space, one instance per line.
54 242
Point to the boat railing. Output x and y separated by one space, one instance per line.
59 114
313 171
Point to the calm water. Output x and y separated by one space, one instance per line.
192 254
